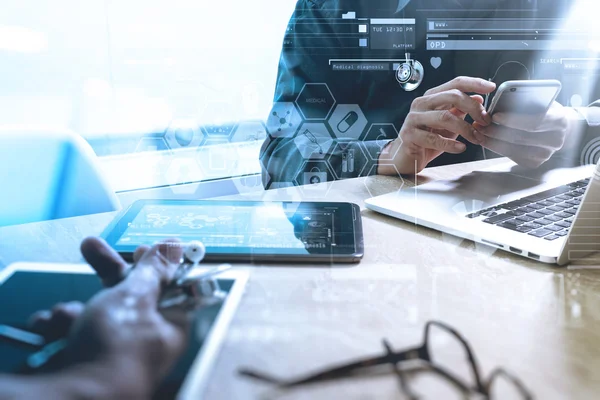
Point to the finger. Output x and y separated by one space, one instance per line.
525 122
38 322
551 140
446 120
139 252
554 119
154 269
435 141
526 156
454 100
465 84
107 263
56 324
477 98
180 317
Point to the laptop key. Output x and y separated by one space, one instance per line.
535 206
545 211
563 215
533 225
554 200
563 206
555 209
552 237
512 225
540 233
571 211
554 228
525 218
486 212
564 224
579 184
573 202
499 218
561 233
553 218
536 215
526 209
515 204
545 203
544 221
518 212
523 229
563 197
548 193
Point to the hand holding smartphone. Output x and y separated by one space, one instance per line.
533 97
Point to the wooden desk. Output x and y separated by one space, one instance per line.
540 322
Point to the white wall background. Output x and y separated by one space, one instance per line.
130 66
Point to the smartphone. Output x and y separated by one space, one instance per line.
532 97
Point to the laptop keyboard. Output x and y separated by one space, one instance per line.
548 214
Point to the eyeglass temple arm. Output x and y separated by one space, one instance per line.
336 372
516 381
403 385
470 354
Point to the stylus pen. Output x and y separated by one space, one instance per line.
46 352
19 336
30 339
49 351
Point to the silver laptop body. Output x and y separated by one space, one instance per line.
476 206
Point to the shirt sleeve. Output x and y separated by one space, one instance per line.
283 155
591 114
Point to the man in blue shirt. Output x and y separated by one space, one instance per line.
343 53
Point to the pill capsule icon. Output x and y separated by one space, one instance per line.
347 122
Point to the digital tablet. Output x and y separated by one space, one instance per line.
246 231
56 283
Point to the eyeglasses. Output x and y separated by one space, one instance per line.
441 348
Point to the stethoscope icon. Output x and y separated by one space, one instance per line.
410 74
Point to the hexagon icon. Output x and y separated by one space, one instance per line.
313 140
184 133
347 121
284 120
250 131
373 184
315 179
219 119
380 134
348 151
217 159
315 101
249 182
183 175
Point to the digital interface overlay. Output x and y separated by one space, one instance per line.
271 228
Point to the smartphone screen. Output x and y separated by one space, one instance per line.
524 98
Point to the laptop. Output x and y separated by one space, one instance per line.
548 215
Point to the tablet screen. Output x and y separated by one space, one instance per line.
240 227
54 287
